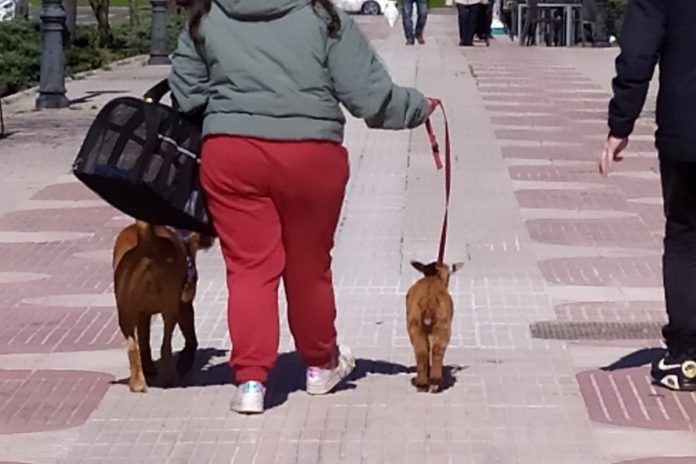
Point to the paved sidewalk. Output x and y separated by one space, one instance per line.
557 309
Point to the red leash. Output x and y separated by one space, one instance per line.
448 175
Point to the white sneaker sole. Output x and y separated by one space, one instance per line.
346 364
249 403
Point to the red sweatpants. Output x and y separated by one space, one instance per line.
275 206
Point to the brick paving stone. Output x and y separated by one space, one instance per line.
546 153
591 200
609 311
65 191
620 232
602 271
662 460
49 329
627 397
556 173
34 401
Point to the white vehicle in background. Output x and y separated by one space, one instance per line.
367 7
8 9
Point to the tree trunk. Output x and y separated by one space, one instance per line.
70 7
133 14
100 8
23 9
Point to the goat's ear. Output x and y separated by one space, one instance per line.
455 267
418 266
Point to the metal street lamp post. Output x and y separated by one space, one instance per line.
52 81
158 33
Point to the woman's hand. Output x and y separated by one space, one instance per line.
433 103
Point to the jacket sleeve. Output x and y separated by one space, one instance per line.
365 88
188 80
641 42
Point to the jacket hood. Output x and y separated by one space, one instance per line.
259 9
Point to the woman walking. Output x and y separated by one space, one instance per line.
270 75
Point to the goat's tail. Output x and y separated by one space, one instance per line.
427 318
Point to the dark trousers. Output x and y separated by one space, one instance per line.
468 15
679 259
484 20
407 17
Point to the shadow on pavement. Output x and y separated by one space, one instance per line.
288 375
638 358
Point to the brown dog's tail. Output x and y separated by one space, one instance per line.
146 234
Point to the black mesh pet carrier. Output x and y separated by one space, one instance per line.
142 157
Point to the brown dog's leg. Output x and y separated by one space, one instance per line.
188 328
144 342
421 348
167 367
136 381
439 340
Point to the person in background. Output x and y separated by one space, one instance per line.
468 12
662 31
270 76
507 13
484 21
407 19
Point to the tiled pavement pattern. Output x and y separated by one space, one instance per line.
544 238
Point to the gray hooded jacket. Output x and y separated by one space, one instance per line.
268 69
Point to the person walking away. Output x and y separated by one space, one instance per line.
528 34
662 31
274 169
468 11
484 21
407 19
506 15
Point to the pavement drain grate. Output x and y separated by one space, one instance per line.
555 330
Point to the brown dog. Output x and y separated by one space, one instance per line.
429 311
154 272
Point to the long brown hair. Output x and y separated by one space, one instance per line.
334 21
199 8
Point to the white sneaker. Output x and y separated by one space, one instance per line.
248 399
321 381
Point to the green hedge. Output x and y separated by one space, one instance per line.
20 50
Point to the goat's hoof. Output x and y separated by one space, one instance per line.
420 386
436 386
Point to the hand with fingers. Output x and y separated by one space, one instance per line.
433 103
613 148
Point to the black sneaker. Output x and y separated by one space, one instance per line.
677 374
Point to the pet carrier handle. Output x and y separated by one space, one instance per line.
152 117
157 91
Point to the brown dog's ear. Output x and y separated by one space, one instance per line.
455 267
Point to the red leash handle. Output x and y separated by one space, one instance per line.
448 175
